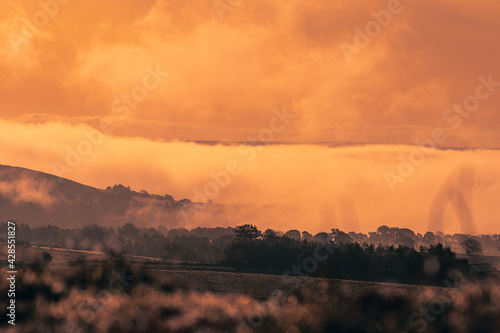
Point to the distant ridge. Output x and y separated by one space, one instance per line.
39 199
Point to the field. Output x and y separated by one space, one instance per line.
92 292
210 278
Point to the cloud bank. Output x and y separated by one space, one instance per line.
226 75
308 187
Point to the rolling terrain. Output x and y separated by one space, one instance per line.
38 198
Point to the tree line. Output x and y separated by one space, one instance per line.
227 245
337 258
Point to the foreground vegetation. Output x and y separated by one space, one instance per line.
112 296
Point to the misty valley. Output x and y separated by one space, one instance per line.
148 276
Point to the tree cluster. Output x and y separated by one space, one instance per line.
338 257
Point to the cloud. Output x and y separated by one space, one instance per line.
226 76
225 79
25 189
309 187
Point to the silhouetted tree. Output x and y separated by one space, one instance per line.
322 238
93 232
429 238
306 236
340 236
270 234
294 234
128 230
179 232
472 246
168 197
46 257
247 231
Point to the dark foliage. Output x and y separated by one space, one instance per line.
337 259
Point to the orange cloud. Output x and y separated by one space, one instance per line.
225 78
309 187
225 75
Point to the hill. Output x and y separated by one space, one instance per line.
38 198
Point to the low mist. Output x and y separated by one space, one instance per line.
303 186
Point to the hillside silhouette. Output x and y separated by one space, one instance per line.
39 198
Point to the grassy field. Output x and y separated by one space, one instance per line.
81 291
204 278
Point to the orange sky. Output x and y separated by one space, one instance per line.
222 75
225 76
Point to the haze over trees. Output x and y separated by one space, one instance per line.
472 246
346 255
148 241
